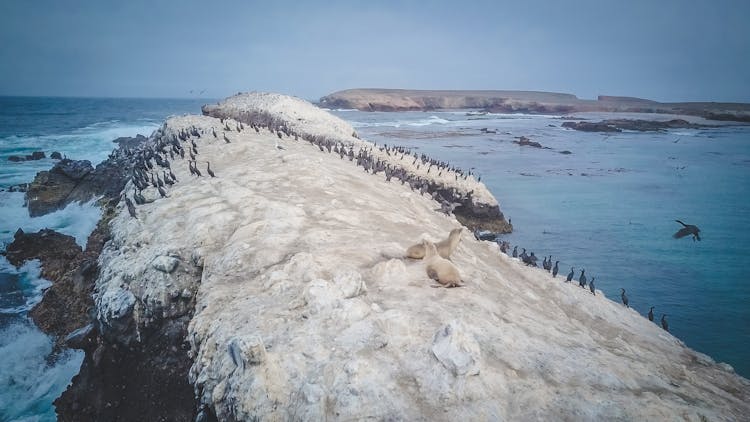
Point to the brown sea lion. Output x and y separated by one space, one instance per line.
440 269
444 248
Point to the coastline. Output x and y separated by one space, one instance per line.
531 102
283 198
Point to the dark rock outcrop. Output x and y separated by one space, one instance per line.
56 156
524 141
16 158
56 251
36 155
590 127
144 383
78 181
618 125
147 380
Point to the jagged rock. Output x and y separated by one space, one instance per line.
456 349
165 264
36 155
56 155
73 169
16 158
56 251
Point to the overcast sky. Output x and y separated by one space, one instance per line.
659 49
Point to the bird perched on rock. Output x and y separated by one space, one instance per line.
555 270
570 275
664 323
582 279
591 286
651 314
131 207
208 169
624 298
688 229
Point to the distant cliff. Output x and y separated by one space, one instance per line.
522 102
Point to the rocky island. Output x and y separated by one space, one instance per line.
523 102
274 287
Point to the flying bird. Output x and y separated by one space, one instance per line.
688 229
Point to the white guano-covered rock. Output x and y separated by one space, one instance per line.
305 308
456 349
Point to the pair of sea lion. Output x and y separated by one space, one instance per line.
436 255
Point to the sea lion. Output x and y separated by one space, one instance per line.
440 269
444 248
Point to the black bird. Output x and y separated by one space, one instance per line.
591 286
664 323
555 270
624 298
544 263
651 314
582 279
131 207
195 170
226 139
687 229
208 169
515 252
162 192
570 275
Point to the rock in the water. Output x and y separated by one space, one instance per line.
16 158
456 349
36 155
56 155
55 250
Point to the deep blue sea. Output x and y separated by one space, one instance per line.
80 128
609 207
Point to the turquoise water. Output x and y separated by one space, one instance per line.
610 206
31 375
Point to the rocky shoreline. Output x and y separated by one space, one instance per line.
113 376
531 102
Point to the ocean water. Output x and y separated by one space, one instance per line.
609 207
32 374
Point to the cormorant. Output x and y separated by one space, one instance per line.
624 298
591 286
570 275
226 139
515 251
555 270
664 324
651 314
131 207
582 279
687 229
208 169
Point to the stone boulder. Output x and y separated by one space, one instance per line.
56 251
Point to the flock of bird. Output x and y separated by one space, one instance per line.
152 162
152 168
530 259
